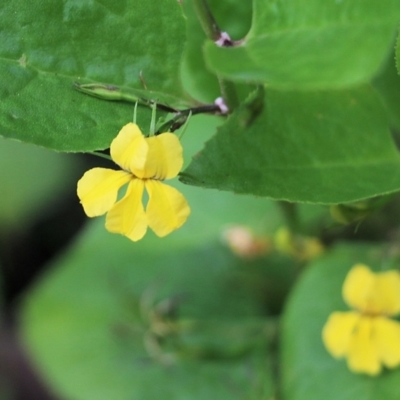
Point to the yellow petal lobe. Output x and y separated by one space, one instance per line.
127 217
387 338
372 293
337 332
164 160
358 286
167 209
129 149
363 355
98 189
387 293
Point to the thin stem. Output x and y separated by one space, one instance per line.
213 32
153 119
95 153
207 21
185 125
228 91
181 116
135 112
207 108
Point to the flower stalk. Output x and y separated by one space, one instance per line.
207 20
220 38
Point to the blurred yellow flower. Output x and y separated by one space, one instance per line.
145 162
303 248
366 336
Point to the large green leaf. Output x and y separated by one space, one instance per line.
310 44
83 327
398 53
387 84
320 147
309 371
47 46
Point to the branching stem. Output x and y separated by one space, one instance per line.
214 33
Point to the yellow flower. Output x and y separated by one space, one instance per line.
145 162
366 336
303 248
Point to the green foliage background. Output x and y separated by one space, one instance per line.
317 122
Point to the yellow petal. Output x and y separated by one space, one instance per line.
127 217
167 209
129 149
387 338
363 355
164 159
357 287
98 189
337 332
386 298
374 293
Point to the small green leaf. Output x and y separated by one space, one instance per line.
319 147
309 371
310 44
46 48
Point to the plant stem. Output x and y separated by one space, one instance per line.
181 116
95 153
207 108
207 21
214 33
228 91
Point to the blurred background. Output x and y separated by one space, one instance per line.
39 217
42 224
91 315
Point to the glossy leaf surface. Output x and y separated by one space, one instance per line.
319 147
310 44
46 47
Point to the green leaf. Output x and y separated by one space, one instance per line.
309 371
310 44
319 147
398 53
46 47
85 316
387 84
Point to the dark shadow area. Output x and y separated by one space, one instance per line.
24 256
